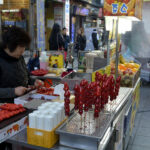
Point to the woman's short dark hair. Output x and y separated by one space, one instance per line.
64 28
13 37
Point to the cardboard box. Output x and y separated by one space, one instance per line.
13 129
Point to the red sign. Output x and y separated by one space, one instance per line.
100 14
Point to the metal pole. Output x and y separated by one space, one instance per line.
0 27
108 52
117 47
31 24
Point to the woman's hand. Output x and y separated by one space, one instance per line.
19 91
31 88
38 83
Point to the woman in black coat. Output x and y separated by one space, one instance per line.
81 40
56 41
14 76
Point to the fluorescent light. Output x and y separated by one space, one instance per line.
124 25
132 18
1 2
11 10
109 23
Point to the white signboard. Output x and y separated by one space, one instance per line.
40 24
67 15
50 23
58 15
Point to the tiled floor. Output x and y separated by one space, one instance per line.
141 133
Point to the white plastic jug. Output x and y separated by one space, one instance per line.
44 60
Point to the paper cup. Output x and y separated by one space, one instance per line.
60 114
61 108
55 117
45 112
42 107
56 103
48 122
49 103
40 122
32 120
36 112
61 105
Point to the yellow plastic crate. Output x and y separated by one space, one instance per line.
43 138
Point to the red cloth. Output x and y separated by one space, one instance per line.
65 55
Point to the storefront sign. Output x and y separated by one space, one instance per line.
124 8
67 15
100 14
9 23
40 24
82 11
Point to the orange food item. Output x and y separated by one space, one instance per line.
46 91
126 1
122 67
47 84
9 110
110 1
131 13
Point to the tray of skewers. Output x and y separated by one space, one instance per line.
10 113
90 118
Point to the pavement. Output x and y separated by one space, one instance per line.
140 139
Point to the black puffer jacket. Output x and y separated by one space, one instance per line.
95 40
81 42
13 73
56 42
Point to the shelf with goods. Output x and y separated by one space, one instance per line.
51 66
15 13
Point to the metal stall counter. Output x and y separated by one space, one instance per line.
99 140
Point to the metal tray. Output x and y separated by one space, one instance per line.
89 138
13 119
86 135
